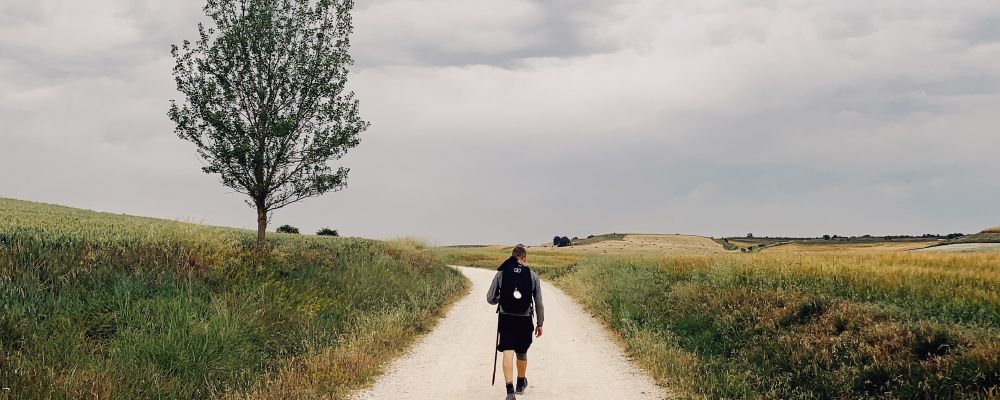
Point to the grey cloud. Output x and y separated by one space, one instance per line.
517 123
558 29
983 29
38 67
18 12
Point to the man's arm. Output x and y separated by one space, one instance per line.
539 308
492 296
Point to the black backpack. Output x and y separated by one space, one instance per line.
516 278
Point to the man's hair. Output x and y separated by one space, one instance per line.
519 252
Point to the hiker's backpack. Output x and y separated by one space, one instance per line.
516 278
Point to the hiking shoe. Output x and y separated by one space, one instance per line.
522 383
510 396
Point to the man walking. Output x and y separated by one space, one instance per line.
518 294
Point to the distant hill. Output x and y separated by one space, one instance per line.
991 235
592 239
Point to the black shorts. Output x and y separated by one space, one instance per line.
515 333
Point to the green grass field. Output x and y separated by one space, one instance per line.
100 305
792 325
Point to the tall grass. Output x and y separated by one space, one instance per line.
112 306
798 325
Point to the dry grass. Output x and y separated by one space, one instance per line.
335 372
992 230
598 239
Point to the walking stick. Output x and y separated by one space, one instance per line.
495 351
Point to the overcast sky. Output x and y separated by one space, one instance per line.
513 121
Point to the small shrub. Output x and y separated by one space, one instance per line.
327 232
288 229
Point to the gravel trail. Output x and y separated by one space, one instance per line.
574 359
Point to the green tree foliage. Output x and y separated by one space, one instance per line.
288 229
265 100
564 242
327 232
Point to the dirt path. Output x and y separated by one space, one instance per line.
574 359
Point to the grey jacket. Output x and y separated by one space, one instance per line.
493 297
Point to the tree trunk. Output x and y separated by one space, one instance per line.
261 247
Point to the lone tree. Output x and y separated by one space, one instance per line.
564 242
265 100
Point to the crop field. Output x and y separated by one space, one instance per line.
792 324
99 305
545 260
641 243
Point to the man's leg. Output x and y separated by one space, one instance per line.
522 354
508 366
522 365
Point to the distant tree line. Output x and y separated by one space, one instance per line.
928 236
931 236
293 230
